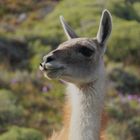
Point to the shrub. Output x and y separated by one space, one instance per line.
10 112
17 53
118 131
134 127
125 11
124 44
125 82
123 108
17 133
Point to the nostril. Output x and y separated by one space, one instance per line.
49 59
41 64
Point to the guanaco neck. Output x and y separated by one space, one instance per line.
86 107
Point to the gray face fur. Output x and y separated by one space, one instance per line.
78 60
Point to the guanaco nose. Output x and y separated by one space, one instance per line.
47 59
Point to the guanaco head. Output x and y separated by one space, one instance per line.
78 60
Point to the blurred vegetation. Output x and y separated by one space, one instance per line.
18 133
30 105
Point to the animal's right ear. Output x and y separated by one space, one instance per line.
67 29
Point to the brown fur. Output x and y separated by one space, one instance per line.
63 134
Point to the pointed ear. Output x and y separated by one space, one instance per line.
105 27
67 29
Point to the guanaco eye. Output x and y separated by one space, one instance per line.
85 51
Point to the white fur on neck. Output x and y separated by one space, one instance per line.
86 111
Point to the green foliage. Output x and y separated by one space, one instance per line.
126 83
32 102
17 52
125 120
39 50
125 11
124 44
119 108
17 133
134 126
9 110
116 131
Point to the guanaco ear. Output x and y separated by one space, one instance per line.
105 28
67 29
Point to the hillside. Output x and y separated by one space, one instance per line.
29 103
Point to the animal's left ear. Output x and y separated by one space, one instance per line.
105 28
67 29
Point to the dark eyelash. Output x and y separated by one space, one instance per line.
85 51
